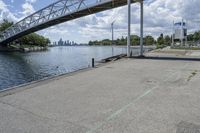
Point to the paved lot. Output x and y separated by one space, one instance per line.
130 95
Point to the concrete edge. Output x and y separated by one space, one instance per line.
29 85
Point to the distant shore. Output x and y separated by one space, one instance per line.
23 48
27 48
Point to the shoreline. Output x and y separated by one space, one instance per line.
23 50
38 48
28 85
150 52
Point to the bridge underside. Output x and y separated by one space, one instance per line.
101 6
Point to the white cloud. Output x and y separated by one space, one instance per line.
5 12
31 1
158 18
27 8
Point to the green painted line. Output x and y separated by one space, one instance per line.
118 112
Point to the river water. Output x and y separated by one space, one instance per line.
19 68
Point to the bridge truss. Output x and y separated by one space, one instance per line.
58 12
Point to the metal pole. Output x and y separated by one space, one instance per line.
129 28
186 42
141 27
173 35
112 39
182 33
112 33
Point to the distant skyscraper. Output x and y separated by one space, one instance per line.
65 43
60 42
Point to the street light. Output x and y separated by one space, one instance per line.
129 28
112 30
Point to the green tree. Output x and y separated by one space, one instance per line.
190 37
122 41
5 24
160 41
90 43
196 36
106 42
118 41
135 40
149 40
167 40
34 40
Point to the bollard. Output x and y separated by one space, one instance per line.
131 54
93 62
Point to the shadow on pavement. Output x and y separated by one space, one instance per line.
168 58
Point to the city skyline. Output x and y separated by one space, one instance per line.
62 42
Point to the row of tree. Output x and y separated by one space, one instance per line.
135 40
194 37
31 39
163 41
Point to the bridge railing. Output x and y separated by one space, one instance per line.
51 12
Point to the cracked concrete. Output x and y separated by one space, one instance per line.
130 95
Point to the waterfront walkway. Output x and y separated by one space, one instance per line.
127 96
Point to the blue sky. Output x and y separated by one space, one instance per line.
158 18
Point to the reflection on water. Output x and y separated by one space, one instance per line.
20 68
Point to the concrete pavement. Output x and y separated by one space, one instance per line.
130 95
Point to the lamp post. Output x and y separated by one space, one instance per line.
182 34
172 45
112 30
129 29
141 27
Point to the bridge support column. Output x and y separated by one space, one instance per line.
129 29
141 27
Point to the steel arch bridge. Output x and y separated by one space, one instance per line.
56 13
